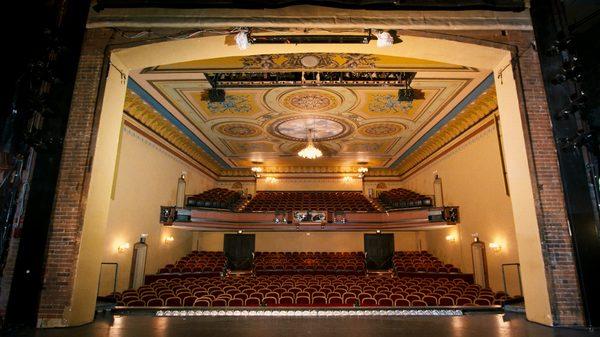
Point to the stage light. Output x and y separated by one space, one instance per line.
384 39
242 41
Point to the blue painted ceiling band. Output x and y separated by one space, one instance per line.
131 84
483 86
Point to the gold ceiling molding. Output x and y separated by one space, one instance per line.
480 108
150 118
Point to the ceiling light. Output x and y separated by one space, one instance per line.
384 39
241 39
310 151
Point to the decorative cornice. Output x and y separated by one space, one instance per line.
139 110
475 112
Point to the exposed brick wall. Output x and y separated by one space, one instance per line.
67 218
557 246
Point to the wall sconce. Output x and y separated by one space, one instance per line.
272 180
451 238
123 247
347 179
495 247
169 239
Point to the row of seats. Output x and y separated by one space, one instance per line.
403 198
215 198
270 263
309 291
420 261
197 262
316 201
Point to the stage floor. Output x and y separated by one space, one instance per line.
471 325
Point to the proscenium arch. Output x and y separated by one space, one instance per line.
493 58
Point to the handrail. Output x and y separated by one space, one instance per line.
518 265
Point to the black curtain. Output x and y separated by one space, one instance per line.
239 250
379 250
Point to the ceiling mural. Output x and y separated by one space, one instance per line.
269 125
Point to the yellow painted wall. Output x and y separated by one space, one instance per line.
146 179
472 179
306 242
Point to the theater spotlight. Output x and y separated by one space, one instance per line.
384 39
241 40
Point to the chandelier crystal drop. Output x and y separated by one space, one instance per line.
310 151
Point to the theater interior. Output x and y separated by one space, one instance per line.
406 202
270 162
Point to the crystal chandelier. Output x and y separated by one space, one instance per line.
310 151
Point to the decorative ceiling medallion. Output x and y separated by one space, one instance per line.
313 100
310 101
238 130
381 130
295 127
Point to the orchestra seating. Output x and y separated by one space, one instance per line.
205 263
266 201
421 261
402 198
221 198
271 263
309 291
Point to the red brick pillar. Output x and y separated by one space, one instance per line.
557 246
66 225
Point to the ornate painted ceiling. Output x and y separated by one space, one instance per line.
267 126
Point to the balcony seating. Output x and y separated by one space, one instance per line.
401 198
220 198
205 263
279 263
309 291
315 201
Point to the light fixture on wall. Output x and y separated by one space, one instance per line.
240 231
256 170
496 247
362 171
347 179
169 239
451 238
310 151
272 180
123 247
